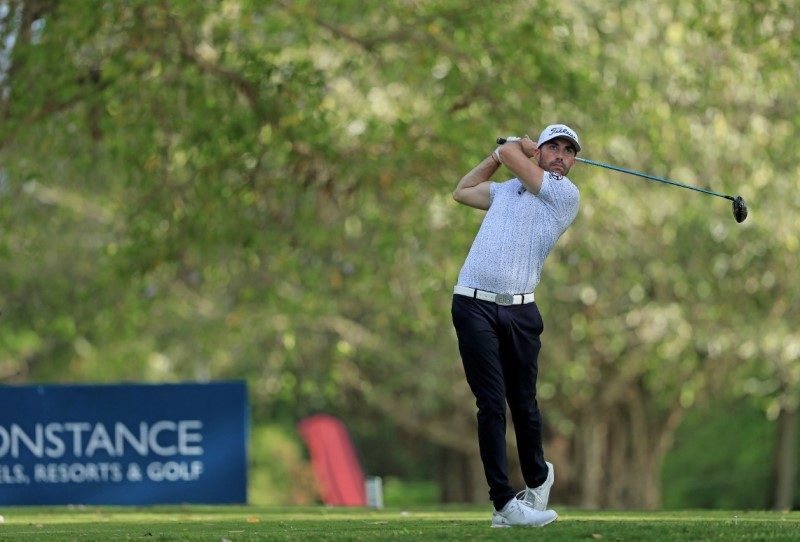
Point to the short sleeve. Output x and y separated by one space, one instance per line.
562 197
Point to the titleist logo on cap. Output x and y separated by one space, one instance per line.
562 130
559 130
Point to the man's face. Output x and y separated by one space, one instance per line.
557 156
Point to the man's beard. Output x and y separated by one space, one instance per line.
549 169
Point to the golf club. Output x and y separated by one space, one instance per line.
739 206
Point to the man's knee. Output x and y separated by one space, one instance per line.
525 407
491 407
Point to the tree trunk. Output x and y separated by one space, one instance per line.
594 460
618 453
785 459
461 477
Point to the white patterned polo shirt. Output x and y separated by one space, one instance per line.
517 234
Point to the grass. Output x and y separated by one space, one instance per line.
226 523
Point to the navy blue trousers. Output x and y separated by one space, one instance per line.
499 348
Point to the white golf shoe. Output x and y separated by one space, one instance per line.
538 497
518 514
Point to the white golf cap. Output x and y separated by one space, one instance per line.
559 130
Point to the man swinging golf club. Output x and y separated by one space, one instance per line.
494 313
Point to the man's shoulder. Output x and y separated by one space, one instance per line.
559 183
558 178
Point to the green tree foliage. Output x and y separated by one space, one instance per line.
710 468
260 190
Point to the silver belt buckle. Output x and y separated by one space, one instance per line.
504 299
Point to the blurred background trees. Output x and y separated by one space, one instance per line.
261 190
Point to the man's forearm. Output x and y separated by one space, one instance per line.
479 174
474 189
527 171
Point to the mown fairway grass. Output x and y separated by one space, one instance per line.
321 523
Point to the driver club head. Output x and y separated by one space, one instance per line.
739 209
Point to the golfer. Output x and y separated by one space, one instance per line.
494 312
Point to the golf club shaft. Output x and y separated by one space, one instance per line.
654 178
501 140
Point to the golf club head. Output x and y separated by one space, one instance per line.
739 209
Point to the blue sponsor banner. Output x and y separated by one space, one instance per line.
124 444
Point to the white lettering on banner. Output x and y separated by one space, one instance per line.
99 440
122 433
164 438
18 435
134 473
77 473
101 472
174 471
13 474
51 431
77 442
187 436
164 425
184 437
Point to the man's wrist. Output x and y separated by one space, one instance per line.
496 156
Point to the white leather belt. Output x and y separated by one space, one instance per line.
500 299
